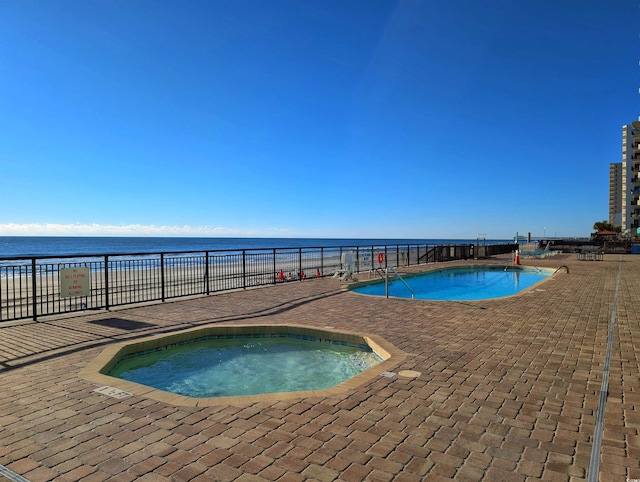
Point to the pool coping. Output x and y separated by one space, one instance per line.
410 274
97 369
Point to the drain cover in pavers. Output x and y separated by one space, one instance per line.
112 392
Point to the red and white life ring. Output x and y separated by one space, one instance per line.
380 258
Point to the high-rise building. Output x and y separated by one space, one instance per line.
615 194
624 182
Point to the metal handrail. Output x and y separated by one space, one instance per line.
30 285
386 282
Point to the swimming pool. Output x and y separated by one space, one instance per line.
241 365
461 283
369 347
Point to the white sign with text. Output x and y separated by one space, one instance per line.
74 282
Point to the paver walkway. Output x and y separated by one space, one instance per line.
508 390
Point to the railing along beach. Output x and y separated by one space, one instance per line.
31 287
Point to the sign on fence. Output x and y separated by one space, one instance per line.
365 259
74 282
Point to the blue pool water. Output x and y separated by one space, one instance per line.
476 283
219 367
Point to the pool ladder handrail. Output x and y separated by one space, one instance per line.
386 282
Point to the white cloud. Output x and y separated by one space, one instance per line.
79 229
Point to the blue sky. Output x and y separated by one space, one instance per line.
295 118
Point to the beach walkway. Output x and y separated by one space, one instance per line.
508 390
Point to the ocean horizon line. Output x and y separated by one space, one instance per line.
33 246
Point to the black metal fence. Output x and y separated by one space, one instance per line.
31 287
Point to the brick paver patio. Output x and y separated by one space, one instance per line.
508 390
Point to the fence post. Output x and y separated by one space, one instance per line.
373 266
206 272
321 260
162 289
275 275
34 290
244 269
300 263
106 282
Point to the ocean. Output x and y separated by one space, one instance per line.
35 246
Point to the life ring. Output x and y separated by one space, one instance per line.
380 258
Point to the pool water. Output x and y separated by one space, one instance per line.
219 367
476 283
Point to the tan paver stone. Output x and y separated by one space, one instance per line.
508 390
380 449
36 452
379 476
59 457
236 460
364 437
188 472
40 473
385 465
215 457
278 450
355 473
605 468
503 475
114 466
291 477
93 457
257 464
338 463
23 465
356 454
291 464
147 465
223 473
272 472
437 472
224 442
168 469
299 453
337 443
319 456
246 450
446 459
468 473
322 436
438 445
182 457
78 473
67 466
407 477
161 449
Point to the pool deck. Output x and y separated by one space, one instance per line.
508 389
